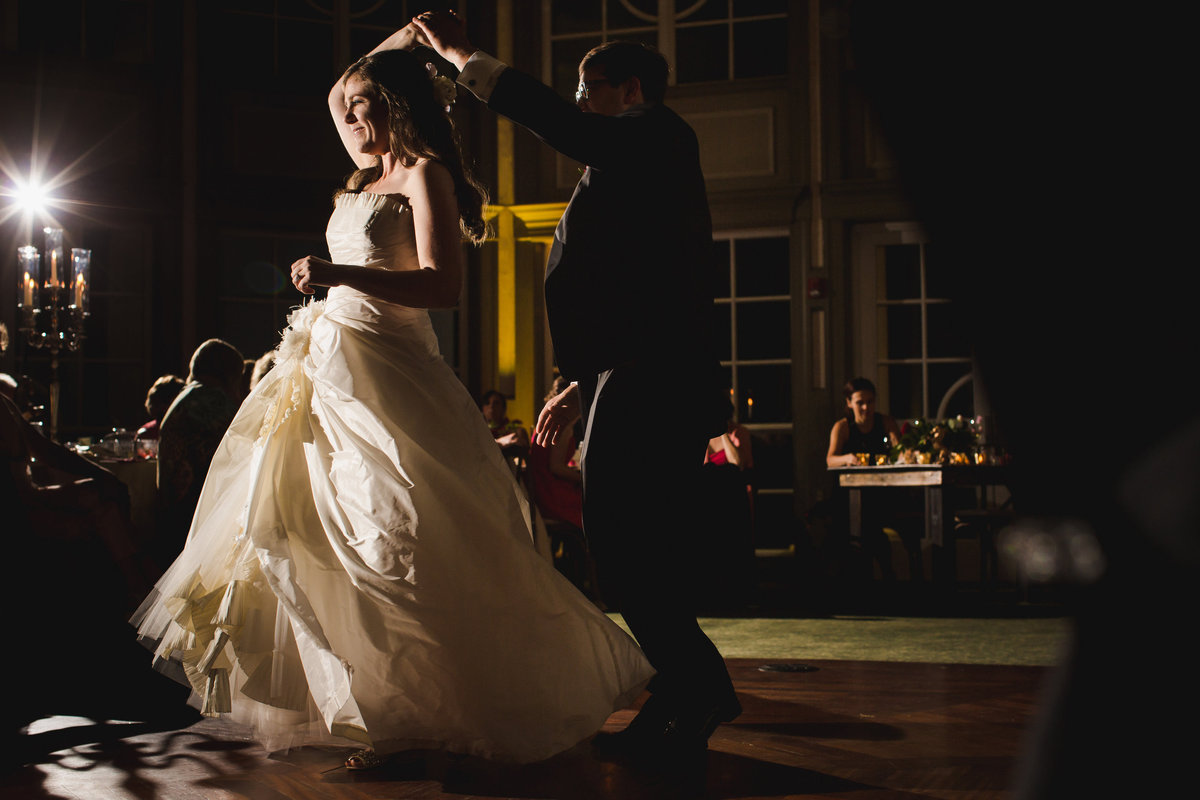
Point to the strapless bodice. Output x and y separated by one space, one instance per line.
375 231
372 230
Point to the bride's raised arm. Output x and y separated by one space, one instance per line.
406 38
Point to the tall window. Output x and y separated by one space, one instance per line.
703 40
753 328
911 340
295 41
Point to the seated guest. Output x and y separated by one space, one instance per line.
158 399
189 434
30 397
59 496
76 573
509 434
554 477
864 431
261 367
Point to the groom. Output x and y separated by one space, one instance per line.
629 301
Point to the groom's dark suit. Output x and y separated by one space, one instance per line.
629 301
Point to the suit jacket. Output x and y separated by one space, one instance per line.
630 273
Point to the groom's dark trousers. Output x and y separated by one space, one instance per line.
629 301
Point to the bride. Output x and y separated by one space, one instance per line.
360 569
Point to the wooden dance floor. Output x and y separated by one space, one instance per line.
852 730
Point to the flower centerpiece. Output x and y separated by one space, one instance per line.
947 441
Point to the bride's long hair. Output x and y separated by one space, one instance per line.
418 127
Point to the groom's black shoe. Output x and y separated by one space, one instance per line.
647 727
661 734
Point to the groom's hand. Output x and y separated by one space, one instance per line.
560 414
444 32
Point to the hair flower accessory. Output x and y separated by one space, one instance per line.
444 89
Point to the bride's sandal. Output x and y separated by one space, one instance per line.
363 759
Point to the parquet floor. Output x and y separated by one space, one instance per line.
853 730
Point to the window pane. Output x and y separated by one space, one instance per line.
249 6
574 17
751 8
762 266
308 53
941 378
299 8
902 271
903 392
903 331
721 284
702 54
770 389
759 48
619 16
939 276
249 36
722 331
710 9
566 57
763 330
947 337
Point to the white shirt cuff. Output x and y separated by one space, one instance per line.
480 73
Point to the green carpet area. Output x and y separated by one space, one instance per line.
1022 641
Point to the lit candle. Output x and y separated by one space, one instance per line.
54 251
81 261
749 408
30 267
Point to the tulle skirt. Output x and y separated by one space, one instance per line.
360 566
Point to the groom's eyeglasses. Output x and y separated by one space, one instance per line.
581 93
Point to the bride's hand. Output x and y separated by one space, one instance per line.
407 38
311 271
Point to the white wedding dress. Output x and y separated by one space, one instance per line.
360 568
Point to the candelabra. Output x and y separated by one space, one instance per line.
52 303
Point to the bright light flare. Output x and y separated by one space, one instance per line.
31 197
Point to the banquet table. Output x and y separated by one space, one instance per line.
141 479
934 479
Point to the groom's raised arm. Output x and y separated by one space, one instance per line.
592 139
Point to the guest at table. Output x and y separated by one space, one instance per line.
509 434
261 367
190 432
62 497
76 572
865 431
30 397
162 393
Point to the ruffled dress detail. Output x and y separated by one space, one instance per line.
360 569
